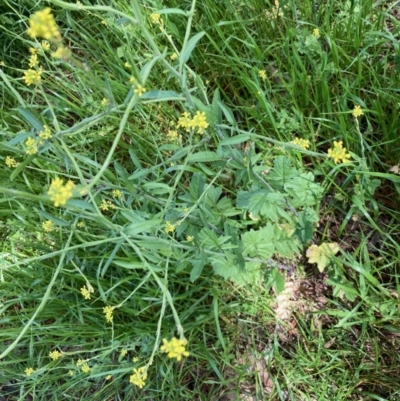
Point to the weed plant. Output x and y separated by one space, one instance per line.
170 169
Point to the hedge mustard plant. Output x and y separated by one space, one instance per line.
48 226
338 152
43 25
357 111
302 143
174 348
31 146
108 312
139 377
262 74
10 162
33 77
54 355
169 227
29 371
60 193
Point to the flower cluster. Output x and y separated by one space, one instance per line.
155 18
316 33
262 74
48 226
175 348
106 204
83 365
43 25
357 111
116 193
139 377
54 355
31 146
302 143
33 77
169 227
29 371
60 193
198 121
338 152
108 311
10 162
87 291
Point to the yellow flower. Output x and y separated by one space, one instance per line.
43 25
45 45
172 135
302 143
316 33
80 362
106 204
127 65
135 359
48 226
185 121
54 355
46 133
116 193
262 74
108 311
32 77
174 56
70 372
189 238
85 292
104 102
2 64
108 377
199 121
104 22
29 371
33 50
33 61
139 90
60 193
132 80
10 162
155 17
169 227
123 352
338 152
357 111
81 224
139 377
85 368
31 146
62 52
175 348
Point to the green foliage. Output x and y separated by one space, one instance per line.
184 233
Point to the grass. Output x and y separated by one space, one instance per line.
277 330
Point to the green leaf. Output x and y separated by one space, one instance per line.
224 265
322 254
303 190
196 187
198 266
190 45
205 156
282 172
142 226
30 118
278 281
258 244
163 95
234 140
